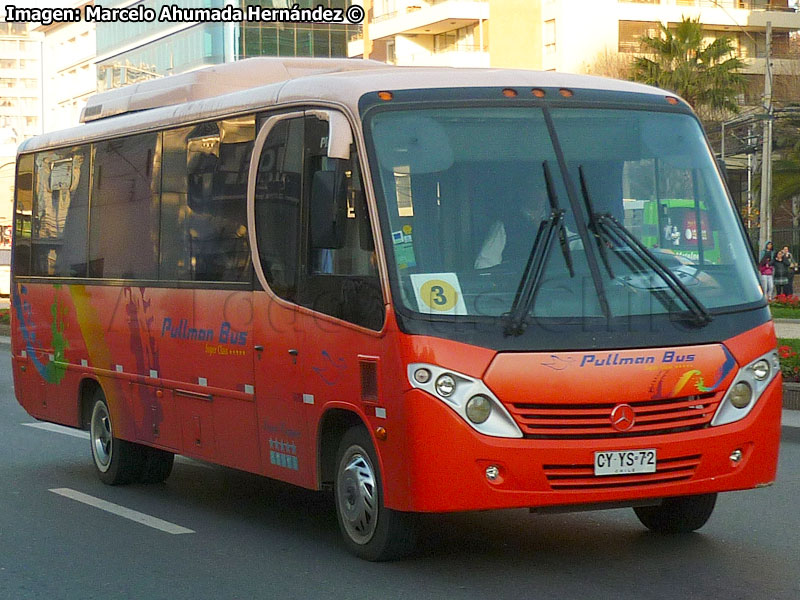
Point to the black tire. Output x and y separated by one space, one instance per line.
117 461
157 465
370 530
682 514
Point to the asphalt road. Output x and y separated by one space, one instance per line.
251 538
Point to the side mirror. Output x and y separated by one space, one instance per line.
328 209
340 136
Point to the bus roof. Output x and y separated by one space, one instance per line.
258 83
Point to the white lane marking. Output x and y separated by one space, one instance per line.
60 429
121 511
790 418
84 435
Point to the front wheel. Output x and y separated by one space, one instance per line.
371 531
117 461
682 514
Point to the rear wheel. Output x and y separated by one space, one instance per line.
117 461
678 515
157 465
371 531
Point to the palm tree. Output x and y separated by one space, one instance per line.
706 76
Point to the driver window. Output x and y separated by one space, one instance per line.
343 281
341 278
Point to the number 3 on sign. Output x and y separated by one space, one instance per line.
438 293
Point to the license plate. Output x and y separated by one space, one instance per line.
625 462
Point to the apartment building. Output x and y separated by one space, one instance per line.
131 52
68 72
575 32
20 102
425 32
562 35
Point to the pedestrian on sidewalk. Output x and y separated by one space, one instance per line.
780 275
794 268
766 269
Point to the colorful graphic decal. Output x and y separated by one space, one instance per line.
54 370
696 377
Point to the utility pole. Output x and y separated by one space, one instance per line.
765 228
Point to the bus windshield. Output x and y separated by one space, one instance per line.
465 191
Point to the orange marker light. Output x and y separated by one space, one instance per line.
672 100
537 92
509 93
380 433
385 95
566 93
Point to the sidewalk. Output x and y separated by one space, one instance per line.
787 328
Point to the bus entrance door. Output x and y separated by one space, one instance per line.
286 453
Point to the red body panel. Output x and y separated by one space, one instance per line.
210 374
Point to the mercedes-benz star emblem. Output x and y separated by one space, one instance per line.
623 417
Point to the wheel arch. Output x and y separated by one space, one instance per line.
86 390
333 425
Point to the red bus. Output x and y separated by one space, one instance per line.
418 288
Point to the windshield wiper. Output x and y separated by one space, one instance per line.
611 227
593 225
534 268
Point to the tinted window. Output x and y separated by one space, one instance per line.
277 206
341 281
204 213
60 212
335 274
124 219
22 215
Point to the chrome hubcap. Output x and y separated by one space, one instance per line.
358 496
101 437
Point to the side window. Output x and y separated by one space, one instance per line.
22 215
124 211
204 213
341 274
314 238
60 213
277 206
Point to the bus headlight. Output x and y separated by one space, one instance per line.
422 375
445 385
467 396
746 389
478 409
760 369
741 394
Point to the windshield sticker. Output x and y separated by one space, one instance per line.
438 293
404 248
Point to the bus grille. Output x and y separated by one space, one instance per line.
567 421
582 477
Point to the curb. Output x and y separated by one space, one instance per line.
791 396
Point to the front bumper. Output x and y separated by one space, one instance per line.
448 460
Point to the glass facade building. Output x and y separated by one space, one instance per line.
132 52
